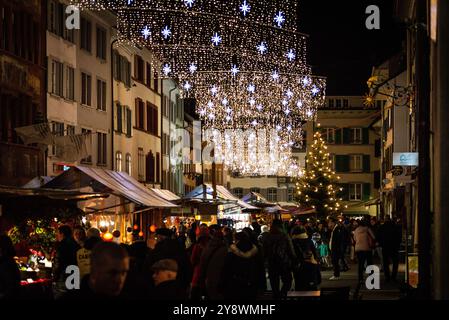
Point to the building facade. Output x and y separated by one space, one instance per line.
22 87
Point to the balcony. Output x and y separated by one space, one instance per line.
19 164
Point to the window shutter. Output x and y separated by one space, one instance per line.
346 164
377 179
337 136
128 122
114 64
366 191
377 147
136 67
119 118
342 163
344 194
365 135
366 163
346 136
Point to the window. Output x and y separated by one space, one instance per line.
122 69
86 35
272 195
101 95
86 89
290 195
118 161
140 114
238 192
355 192
148 83
70 83
158 167
69 34
256 190
101 149
88 159
329 135
356 163
128 164
140 164
338 103
70 131
345 103
56 21
156 82
128 118
165 106
57 78
356 135
138 68
152 123
332 162
331 103
150 161
101 43
58 130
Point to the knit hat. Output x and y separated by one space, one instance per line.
165 265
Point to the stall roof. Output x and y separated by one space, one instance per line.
166 194
222 194
119 182
7 192
256 199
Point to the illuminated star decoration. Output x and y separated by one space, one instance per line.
309 113
245 8
315 90
291 55
216 39
166 32
284 102
287 111
187 86
275 75
210 104
189 3
234 70
224 102
259 107
130 1
146 32
192 68
251 88
252 101
254 123
214 90
166 69
289 93
262 48
279 19
305 81
299 104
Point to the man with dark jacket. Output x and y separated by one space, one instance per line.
336 246
166 286
280 258
390 238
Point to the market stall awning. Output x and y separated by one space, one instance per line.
7 193
257 200
119 183
223 196
166 194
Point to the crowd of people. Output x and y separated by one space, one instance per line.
212 262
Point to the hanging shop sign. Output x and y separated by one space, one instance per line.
406 159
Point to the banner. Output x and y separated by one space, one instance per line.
38 133
72 148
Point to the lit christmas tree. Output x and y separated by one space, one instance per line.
318 187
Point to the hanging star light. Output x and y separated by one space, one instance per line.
291 55
146 32
166 32
275 75
189 3
251 88
245 8
216 39
214 90
234 70
192 68
279 19
166 69
187 86
262 48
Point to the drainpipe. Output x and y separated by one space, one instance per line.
112 103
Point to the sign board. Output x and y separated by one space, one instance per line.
406 159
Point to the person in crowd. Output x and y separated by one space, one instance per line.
346 244
66 249
228 236
364 241
182 238
240 272
256 227
390 238
323 251
335 246
109 268
354 226
198 286
377 251
168 248
79 235
212 262
9 271
260 259
167 287
306 271
279 257
264 233
83 254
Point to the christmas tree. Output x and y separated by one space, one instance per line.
318 188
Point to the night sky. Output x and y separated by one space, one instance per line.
341 47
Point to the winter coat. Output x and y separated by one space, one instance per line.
9 278
83 255
362 238
390 236
169 291
240 278
65 256
336 240
303 245
278 251
212 262
195 260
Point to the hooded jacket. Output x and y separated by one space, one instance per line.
361 238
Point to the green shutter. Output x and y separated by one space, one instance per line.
346 136
366 163
366 191
346 164
128 122
119 118
338 136
365 136
342 163
344 194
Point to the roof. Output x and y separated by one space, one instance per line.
7 192
166 194
222 194
256 199
37 182
120 183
